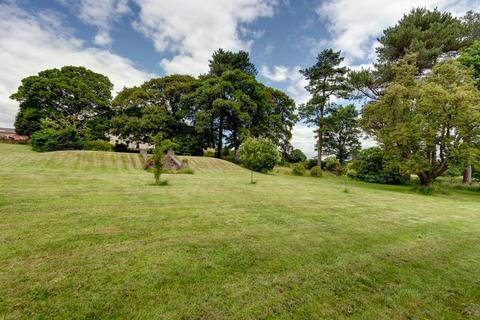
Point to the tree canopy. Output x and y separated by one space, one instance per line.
74 95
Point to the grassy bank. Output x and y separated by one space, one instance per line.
85 235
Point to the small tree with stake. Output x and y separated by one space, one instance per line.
258 154
161 148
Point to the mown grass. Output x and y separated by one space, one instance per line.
86 235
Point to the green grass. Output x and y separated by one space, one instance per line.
85 235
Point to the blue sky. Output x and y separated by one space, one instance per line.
131 41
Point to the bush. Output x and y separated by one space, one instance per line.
373 165
298 169
331 164
52 140
98 145
316 172
311 163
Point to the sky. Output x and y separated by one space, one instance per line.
131 41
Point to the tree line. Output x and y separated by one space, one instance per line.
420 102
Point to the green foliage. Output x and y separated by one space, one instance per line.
98 145
470 57
331 164
71 95
374 165
429 33
161 148
296 156
28 121
298 169
259 154
428 123
326 78
227 61
53 140
342 132
316 172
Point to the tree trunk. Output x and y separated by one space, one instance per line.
251 176
425 180
220 137
467 173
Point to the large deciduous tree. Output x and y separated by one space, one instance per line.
426 123
326 78
72 95
157 107
342 134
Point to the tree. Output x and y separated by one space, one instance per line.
426 123
74 95
296 156
429 33
470 57
158 107
158 155
325 79
471 22
342 134
235 105
258 154
227 60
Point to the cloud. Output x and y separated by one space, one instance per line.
295 82
355 25
193 30
100 14
303 138
31 42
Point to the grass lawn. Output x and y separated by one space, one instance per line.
86 235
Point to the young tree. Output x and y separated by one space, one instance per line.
161 148
71 94
258 154
325 79
425 124
342 134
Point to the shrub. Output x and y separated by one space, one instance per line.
373 165
98 145
52 140
331 164
316 172
209 153
298 169
311 163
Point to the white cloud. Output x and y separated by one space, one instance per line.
100 14
303 138
295 81
192 30
30 43
354 25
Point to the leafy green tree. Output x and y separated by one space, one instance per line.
426 124
471 22
429 33
227 61
470 57
258 154
326 78
296 156
158 107
74 95
342 134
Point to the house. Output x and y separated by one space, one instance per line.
9 135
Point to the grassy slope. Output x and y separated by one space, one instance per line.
86 235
